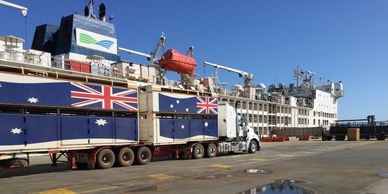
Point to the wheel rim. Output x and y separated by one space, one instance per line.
212 150
144 156
253 147
106 158
126 157
199 151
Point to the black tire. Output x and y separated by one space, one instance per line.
125 157
105 159
198 151
143 155
252 147
211 150
380 137
340 137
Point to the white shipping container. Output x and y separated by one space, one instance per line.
35 57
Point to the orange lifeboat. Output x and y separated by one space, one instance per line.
174 61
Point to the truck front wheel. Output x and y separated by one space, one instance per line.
252 147
105 159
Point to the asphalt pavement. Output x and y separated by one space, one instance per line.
322 167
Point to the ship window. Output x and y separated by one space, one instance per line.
254 106
244 106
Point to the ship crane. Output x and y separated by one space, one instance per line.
23 9
248 77
150 57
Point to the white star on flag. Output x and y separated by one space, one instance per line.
16 131
100 122
206 124
33 100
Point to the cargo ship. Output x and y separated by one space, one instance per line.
72 94
85 47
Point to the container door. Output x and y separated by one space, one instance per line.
211 128
41 131
101 130
166 127
197 129
74 130
126 130
12 134
181 129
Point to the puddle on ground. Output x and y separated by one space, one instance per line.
143 188
257 171
280 186
385 174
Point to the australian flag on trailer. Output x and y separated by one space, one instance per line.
47 92
187 104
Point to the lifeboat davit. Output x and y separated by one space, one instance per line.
174 61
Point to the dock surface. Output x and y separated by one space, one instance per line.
323 167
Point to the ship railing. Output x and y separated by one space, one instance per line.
43 59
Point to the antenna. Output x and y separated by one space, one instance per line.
88 10
298 75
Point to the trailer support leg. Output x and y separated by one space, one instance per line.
72 159
176 152
54 159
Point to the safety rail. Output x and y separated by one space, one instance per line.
39 60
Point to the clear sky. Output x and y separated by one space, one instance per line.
343 40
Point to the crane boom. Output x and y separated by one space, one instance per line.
247 76
135 52
150 57
23 9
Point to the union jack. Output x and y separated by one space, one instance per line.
207 105
106 97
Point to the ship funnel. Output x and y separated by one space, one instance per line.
86 11
102 12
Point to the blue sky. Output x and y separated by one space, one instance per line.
343 40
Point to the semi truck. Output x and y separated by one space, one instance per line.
72 96
102 125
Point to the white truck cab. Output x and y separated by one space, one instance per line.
234 133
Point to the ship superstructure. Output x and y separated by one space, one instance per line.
85 48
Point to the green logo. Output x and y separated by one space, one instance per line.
87 39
